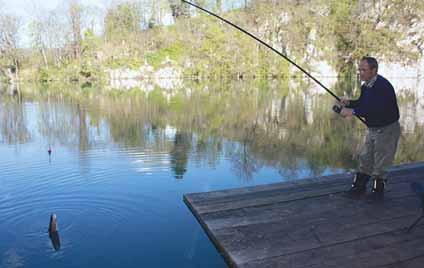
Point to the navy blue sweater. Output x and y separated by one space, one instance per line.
377 104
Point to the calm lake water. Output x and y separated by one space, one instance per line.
121 162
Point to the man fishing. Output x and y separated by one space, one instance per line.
376 107
377 104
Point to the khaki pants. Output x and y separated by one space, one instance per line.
378 152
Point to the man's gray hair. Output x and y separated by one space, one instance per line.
372 62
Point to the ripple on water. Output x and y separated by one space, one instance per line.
147 162
18 210
84 193
79 216
26 202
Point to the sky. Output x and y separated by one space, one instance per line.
24 7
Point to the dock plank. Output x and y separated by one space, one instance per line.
389 249
279 192
397 173
408 263
283 224
272 239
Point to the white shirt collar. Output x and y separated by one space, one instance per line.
371 82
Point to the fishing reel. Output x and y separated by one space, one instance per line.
337 108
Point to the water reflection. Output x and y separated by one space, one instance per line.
12 259
126 158
254 123
244 163
14 125
180 153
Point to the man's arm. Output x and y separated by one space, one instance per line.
353 103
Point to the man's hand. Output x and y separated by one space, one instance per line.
344 102
346 112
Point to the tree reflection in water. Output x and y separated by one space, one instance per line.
14 124
180 153
255 123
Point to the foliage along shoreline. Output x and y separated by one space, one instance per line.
198 46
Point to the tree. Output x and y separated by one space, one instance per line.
376 31
9 27
38 40
75 13
218 6
179 9
49 35
122 20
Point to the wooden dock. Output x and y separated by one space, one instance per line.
310 223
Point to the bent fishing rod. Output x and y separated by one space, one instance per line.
276 51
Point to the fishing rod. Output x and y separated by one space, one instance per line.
335 108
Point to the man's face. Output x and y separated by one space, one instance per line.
365 72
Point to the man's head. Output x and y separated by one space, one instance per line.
368 68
